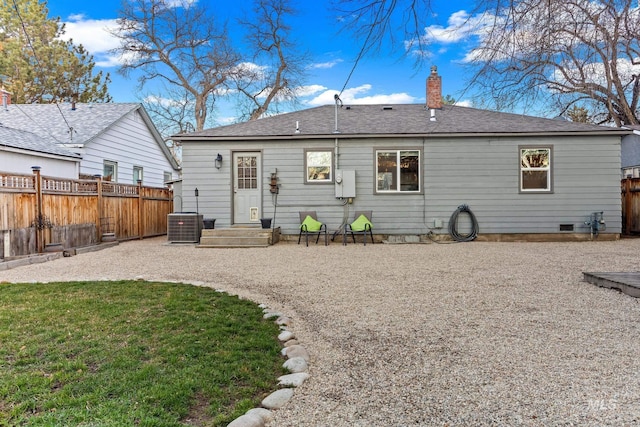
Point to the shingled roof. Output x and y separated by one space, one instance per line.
74 125
53 121
16 138
394 120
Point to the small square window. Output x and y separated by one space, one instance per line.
318 166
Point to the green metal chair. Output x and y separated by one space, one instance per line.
361 225
309 224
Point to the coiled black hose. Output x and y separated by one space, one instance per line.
453 225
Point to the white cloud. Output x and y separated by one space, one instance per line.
309 90
465 103
596 72
353 96
165 102
460 26
95 36
179 3
250 69
325 65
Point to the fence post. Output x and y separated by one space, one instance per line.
627 208
98 207
140 211
37 185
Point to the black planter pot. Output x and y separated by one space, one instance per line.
266 222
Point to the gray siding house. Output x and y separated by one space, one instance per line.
630 153
413 166
115 140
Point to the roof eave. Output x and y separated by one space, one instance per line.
298 136
72 157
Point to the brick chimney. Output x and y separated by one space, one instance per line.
5 97
434 89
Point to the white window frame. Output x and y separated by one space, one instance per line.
546 168
139 175
631 172
386 176
313 163
114 166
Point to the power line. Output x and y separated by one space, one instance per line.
362 50
35 56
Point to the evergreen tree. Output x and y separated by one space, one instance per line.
36 66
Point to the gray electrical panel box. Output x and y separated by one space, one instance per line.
345 183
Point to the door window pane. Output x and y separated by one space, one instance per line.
247 172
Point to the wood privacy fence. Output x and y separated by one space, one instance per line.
631 206
38 211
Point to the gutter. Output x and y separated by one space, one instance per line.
620 132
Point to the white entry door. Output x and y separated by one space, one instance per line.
247 200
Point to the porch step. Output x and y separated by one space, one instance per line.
239 237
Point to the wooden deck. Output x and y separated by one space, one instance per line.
628 283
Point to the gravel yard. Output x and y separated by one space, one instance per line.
424 335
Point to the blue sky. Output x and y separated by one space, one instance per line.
389 77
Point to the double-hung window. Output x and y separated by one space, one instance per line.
318 166
535 169
398 171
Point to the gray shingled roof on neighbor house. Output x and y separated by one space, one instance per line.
395 120
53 121
16 138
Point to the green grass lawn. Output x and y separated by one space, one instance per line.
131 353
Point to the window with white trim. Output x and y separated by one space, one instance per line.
398 171
631 172
535 169
137 174
318 166
110 171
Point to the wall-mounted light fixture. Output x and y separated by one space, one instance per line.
218 162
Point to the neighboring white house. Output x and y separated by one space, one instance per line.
115 140
20 150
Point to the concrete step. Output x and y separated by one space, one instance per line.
239 237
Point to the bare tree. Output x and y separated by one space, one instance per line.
276 68
568 53
379 22
556 53
180 44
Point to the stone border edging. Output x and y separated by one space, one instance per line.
297 363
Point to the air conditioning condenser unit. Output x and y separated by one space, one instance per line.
184 227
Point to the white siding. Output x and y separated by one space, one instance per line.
21 162
129 142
